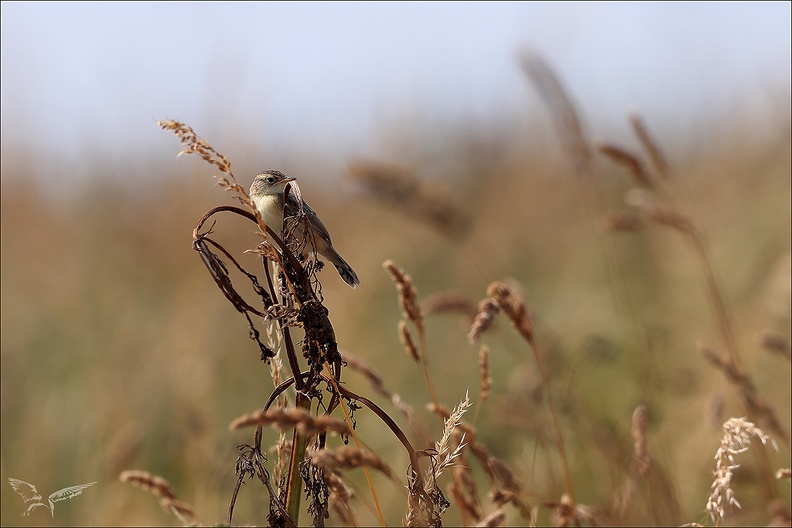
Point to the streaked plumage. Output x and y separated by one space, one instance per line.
267 192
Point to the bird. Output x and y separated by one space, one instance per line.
30 493
267 192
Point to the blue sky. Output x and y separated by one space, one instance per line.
92 77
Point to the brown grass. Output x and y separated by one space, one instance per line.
583 394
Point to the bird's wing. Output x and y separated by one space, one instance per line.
68 493
293 209
27 490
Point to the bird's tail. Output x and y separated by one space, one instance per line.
344 269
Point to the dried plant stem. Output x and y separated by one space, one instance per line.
408 300
357 444
559 437
642 458
578 149
722 318
684 223
485 381
425 366
299 448
160 488
737 433
512 304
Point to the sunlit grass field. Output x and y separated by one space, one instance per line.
119 352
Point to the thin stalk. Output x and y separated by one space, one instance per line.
293 480
425 367
556 425
357 444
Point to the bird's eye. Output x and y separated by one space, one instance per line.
271 179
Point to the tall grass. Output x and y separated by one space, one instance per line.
588 401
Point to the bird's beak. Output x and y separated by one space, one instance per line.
288 179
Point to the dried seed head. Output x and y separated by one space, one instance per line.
630 162
409 344
485 379
495 518
349 458
408 297
487 310
737 433
161 489
616 222
295 417
560 105
448 302
153 483
641 457
650 146
399 187
645 202
510 300
776 343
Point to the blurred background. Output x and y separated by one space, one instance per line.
118 351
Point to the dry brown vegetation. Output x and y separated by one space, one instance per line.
580 323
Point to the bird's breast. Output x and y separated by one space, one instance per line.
270 206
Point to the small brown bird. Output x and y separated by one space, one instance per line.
267 192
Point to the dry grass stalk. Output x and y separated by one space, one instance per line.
408 297
443 453
398 187
780 514
408 300
288 419
645 202
465 492
274 341
368 371
669 215
485 384
776 343
510 301
737 433
349 458
375 379
495 518
183 511
561 108
649 145
496 469
195 145
642 459
502 473
641 462
281 450
754 402
340 498
563 511
448 302
409 344
506 487
161 489
632 165
617 222
566 513
487 310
